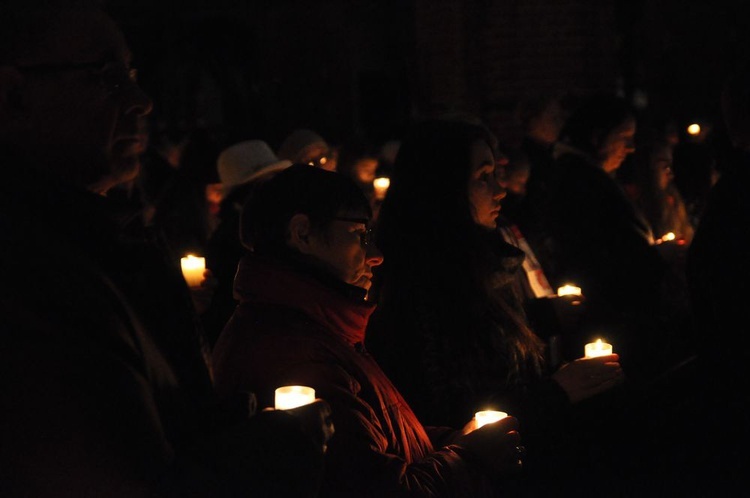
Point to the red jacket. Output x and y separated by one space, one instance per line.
292 329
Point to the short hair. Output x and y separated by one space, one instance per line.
595 115
299 189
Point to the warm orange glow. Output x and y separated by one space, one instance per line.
288 397
381 187
193 268
694 129
598 348
488 416
568 290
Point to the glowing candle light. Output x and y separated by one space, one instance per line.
381 187
568 290
193 268
694 129
598 348
488 416
293 396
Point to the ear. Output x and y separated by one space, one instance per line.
298 233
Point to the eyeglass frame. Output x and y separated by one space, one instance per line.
365 238
316 161
100 67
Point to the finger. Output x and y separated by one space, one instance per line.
514 437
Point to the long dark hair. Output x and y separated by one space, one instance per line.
430 241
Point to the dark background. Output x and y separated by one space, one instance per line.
363 68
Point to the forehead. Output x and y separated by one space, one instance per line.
76 35
481 154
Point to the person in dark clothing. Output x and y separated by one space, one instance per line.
718 272
450 328
603 244
241 167
105 388
301 321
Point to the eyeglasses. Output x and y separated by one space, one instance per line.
365 238
318 162
113 76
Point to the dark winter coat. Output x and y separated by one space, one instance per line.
293 328
105 390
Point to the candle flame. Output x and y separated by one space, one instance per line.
569 290
694 129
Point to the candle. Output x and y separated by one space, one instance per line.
381 187
293 396
598 348
568 290
193 268
488 416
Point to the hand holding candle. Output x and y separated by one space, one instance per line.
590 375
497 446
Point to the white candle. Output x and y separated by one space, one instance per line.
568 290
488 416
598 348
381 187
293 396
193 268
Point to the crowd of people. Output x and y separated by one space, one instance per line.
407 310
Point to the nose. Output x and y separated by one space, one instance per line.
137 102
373 256
630 145
499 190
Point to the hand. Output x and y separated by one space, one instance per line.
316 420
587 377
495 446
203 294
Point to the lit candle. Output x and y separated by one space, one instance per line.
598 348
193 268
568 290
381 187
293 396
488 416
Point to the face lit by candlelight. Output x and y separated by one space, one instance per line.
344 249
617 145
485 192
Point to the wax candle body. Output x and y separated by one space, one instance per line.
193 268
598 348
293 396
381 187
568 290
488 416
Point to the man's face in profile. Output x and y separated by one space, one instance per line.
81 104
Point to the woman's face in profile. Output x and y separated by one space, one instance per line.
616 145
484 190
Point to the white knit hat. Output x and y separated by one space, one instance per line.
245 161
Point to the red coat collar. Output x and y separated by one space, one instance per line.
263 280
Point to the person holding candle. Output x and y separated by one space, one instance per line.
596 237
301 321
718 272
450 328
105 388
